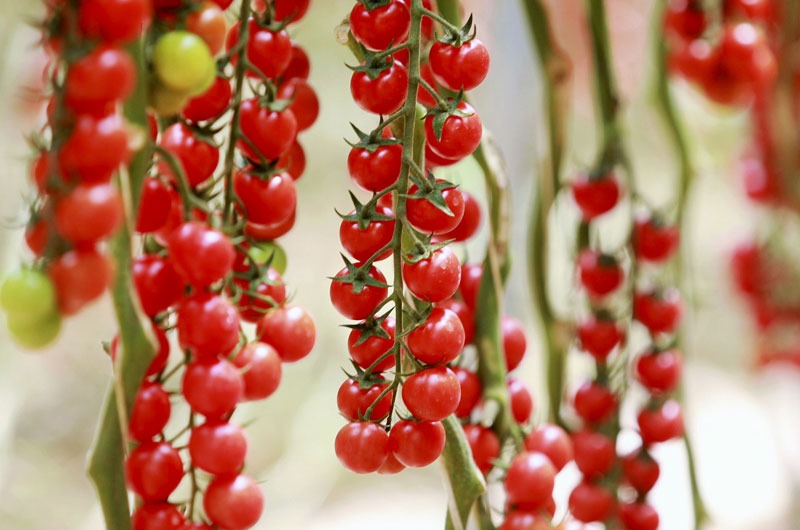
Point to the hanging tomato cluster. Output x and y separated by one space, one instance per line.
406 336
77 207
206 262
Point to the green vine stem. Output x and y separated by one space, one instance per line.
556 69
686 173
106 461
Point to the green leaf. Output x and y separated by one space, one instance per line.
464 480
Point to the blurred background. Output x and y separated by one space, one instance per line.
744 422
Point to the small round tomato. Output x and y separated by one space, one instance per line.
304 105
208 325
293 161
269 233
80 159
234 502
80 276
153 470
514 341
113 21
28 295
432 394
367 352
553 442
530 480
471 277
299 66
104 76
459 67
267 200
218 447
471 390
150 412
211 104
460 135
261 368
182 61
257 297
641 471
157 283
157 516
197 157
685 19
600 273
358 303
595 453
659 372
590 503
660 424
594 403
289 10
485 446
598 336
364 244
429 218
268 51
271 132
638 516
354 401
89 213
654 241
435 278
465 315
290 330
385 93
213 388
362 447
439 339
37 334
417 444
375 169
380 27
208 22
470 222
200 254
521 401
658 313
595 195
155 202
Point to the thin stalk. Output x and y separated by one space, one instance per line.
666 105
241 55
556 69
106 459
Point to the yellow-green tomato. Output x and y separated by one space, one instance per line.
262 252
182 61
37 334
165 101
27 295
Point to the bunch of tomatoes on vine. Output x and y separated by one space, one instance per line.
164 174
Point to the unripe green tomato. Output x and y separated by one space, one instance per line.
182 61
28 295
261 253
37 334
211 76
165 101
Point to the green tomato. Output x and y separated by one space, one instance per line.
167 102
262 252
37 334
182 61
28 295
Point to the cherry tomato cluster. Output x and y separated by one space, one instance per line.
209 269
732 64
77 207
530 478
600 334
411 217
